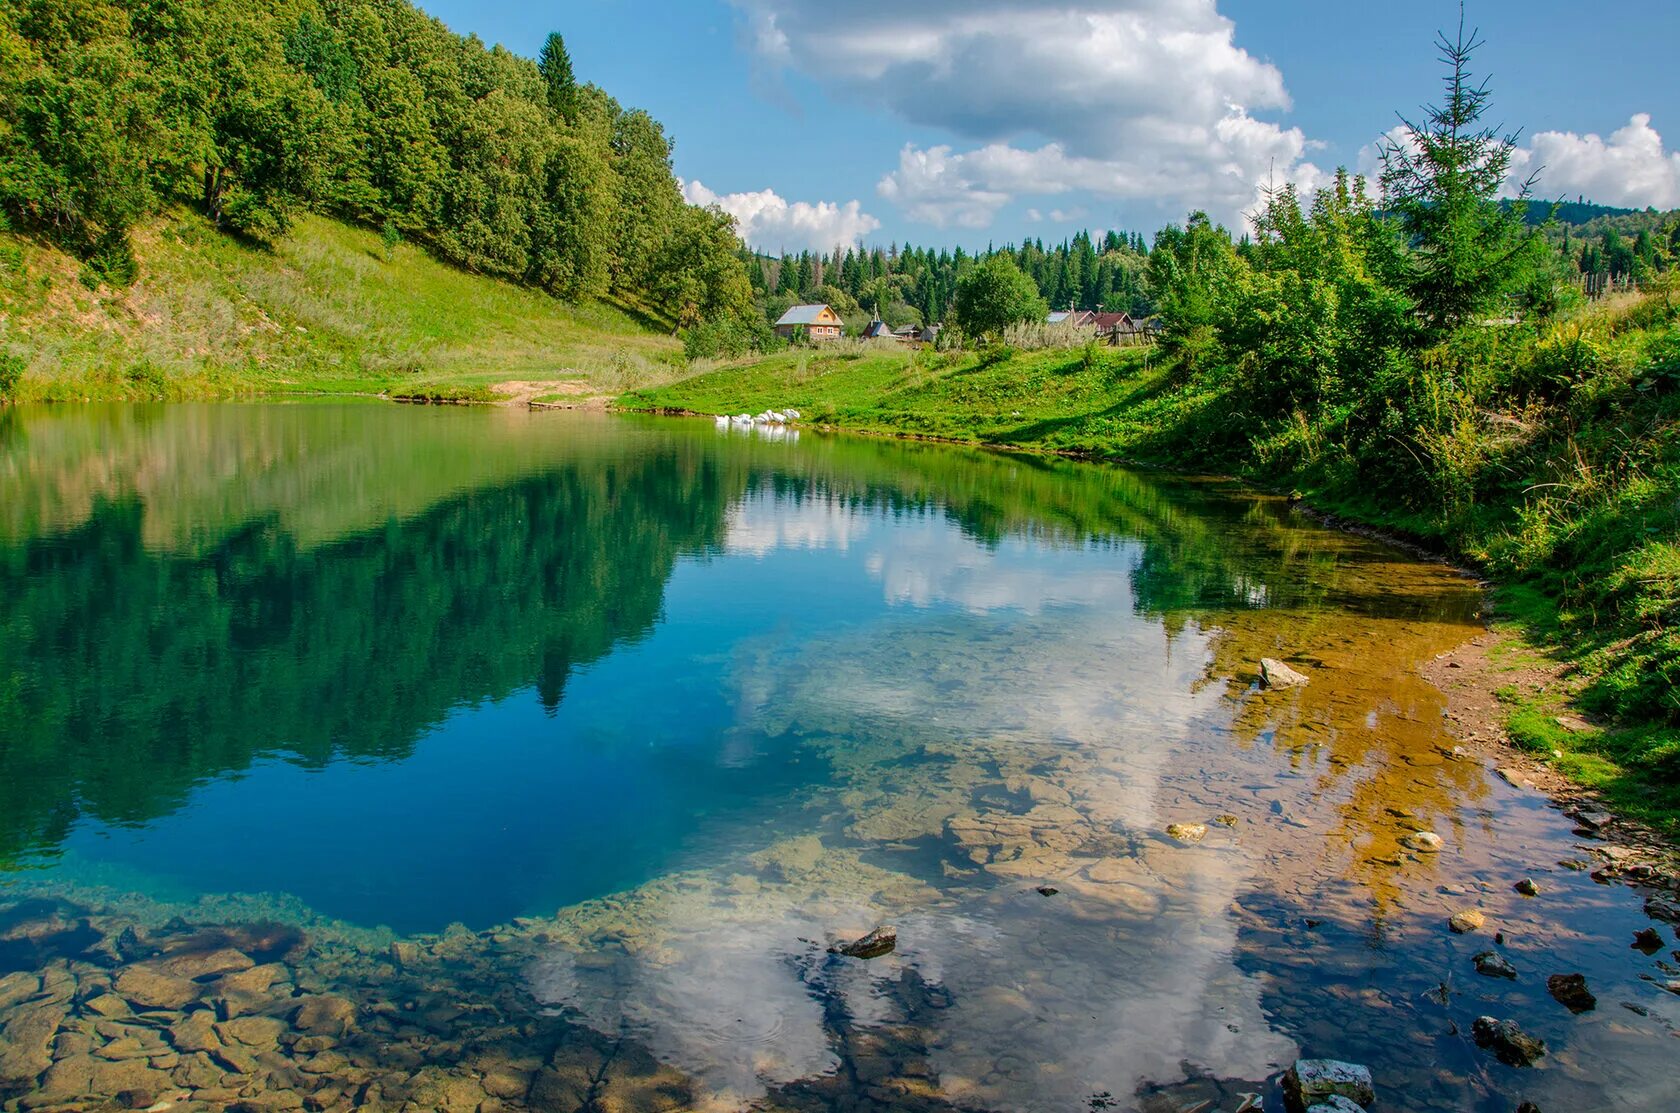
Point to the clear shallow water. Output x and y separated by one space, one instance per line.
621 722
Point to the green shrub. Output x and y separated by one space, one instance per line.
12 367
111 263
729 339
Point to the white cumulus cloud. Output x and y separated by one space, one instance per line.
945 188
1123 99
1631 168
769 222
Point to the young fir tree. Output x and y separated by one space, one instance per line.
1442 178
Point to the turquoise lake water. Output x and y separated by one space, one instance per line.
621 722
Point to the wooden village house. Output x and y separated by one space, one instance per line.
820 322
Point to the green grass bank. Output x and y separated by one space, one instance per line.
1569 499
328 309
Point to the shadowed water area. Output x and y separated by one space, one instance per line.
356 756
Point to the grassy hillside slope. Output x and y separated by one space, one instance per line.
1574 504
1103 402
328 309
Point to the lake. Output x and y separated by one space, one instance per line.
478 759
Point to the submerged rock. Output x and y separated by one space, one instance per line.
1494 965
1527 887
1425 842
194 965
325 1015
1647 940
148 989
1275 674
1661 908
1336 1103
877 943
1509 1043
26 1050
1570 991
1312 1082
1467 921
1047 890
1187 832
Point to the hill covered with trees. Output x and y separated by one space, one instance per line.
255 112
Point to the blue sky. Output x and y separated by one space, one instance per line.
968 121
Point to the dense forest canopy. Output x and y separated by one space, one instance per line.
1119 271
111 110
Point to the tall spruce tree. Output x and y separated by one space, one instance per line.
555 65
1442 177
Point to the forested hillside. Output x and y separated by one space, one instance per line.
254 112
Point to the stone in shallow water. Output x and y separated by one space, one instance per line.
1493 965
1187 832
260 1033
1275 674
202 964
1661 908
24 1052
1647 940
1425 842
877 943
20 986
195 1032
109 1006
1509 1043
1467 921
84 1076
146 988
1336 1103
325 1015
1312 1082
1527 887
1570 991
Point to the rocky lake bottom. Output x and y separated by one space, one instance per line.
614 868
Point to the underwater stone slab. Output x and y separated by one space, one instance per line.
24 1052
145 988
1314 1081
1276 674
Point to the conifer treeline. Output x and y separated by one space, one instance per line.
915 285
256 110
